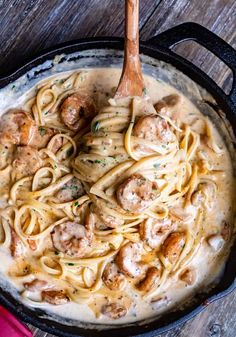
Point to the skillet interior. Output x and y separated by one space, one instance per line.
104 52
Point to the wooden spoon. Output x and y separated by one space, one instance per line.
131 81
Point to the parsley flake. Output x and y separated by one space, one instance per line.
42 131
95 127
69 152
144 91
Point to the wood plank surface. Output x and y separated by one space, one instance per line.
29 26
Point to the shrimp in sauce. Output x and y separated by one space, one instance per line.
136 193
168 105
73 238
36 285
204 191
55 297
150 280
41 137
16 127
72 190
112 277
128 259
114 310
107 219
152 231
153 128
188 276
173 246
77 111
26 161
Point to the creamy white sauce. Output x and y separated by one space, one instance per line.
208 263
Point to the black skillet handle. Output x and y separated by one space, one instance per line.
203 36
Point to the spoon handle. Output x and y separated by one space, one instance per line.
131 81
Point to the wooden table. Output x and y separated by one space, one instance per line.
28 26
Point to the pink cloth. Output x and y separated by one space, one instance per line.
11 327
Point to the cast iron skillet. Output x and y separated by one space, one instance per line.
158 47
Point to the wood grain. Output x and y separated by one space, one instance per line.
218 15
28 26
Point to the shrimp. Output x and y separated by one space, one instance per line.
173 245
205 191
150 280
107 219
153 128
186 214
36 285
16 246
26 161
77 111
128 259
73 238
56 297
112 277
16 127
41 136
159 302
73 189
114 310
167 103
136 193
152 231
188 276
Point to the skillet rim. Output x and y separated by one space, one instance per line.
227 283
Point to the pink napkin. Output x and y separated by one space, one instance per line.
11 327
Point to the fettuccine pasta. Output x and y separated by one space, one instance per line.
110 204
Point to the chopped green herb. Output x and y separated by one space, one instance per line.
70 187
95 127
70 264
97 161
46 113
156 165
144 91
76 203
69 152
55 166
13 87
42 131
